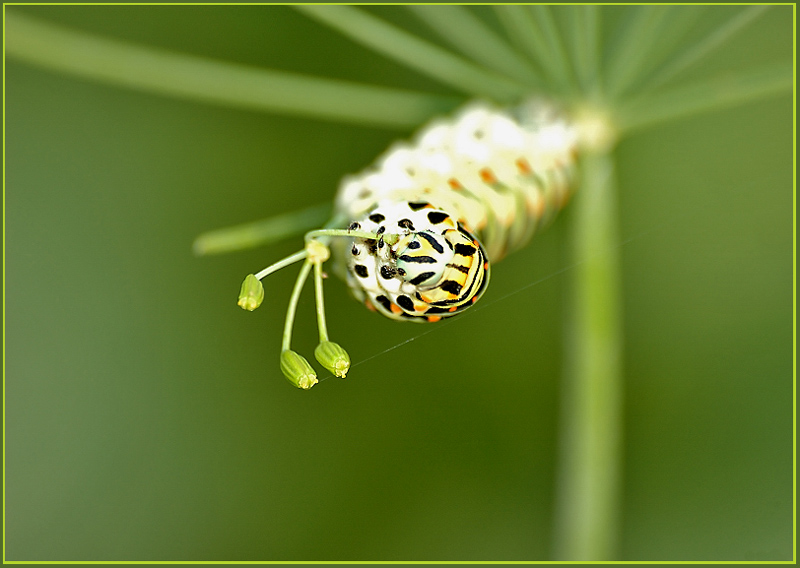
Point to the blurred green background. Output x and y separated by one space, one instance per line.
146 417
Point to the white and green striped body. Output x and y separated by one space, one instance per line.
483 180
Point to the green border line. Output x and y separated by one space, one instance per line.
359 562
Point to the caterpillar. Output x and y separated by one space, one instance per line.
414 235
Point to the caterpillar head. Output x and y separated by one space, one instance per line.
422 267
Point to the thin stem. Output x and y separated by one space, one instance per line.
554 55
585 44
677 22
263 232
636 41
725 91
473 38
321 234
524 34
298 287
196 78
414 52
588 480
705 46
291 259
323 327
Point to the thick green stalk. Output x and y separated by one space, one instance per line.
588 480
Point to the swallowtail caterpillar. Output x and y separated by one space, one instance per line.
414 235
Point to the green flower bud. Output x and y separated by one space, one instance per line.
331 356
297 370
252 293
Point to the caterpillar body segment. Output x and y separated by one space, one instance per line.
485 177
414 235
434 267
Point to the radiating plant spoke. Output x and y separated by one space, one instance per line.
555 53
705 46
637 39
473 38
715 93
584 41
525 36
263 232
129 65
677 22
414 52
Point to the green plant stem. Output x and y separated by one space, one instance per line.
196 78
292 309
321 323
473 38
712 94
263 232
588 479
283 263
414 52
324 235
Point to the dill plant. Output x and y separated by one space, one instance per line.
616 80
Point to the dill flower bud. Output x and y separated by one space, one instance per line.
297 370
331 356
252 293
